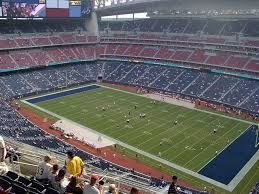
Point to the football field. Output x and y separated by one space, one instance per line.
190 142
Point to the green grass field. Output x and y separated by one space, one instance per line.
191 143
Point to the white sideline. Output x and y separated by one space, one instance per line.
230 187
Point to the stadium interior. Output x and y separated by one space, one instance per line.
204 54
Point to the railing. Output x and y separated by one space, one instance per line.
33 156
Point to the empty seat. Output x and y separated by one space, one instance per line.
51 191
4 184
7 178
24 180
33 190
19 184
38 186
12 175
18 190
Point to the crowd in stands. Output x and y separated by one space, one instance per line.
213 87
206 12
50 176
255 189
188 47
229 90
43 40
232 91
197 58
186 56
247 28
40 27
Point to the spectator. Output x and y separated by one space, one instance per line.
91 187
2 149
172 189
112 189
134 190
53 173
75 164
58 182
43 170
3 166
12 154
72 186
101 186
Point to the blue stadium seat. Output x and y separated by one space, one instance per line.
50 190
24 180
18 190
4 184
37 185
12 175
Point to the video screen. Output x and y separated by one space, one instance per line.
86 8
45 8
19 10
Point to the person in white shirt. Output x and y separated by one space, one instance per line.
112 189
43 170
60 182
2 149
91 188
3 167
53 173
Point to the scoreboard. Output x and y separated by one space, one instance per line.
45 8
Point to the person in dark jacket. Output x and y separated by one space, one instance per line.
172 189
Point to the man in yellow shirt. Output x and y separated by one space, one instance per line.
74 165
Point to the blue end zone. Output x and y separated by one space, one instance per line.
62 94
224 167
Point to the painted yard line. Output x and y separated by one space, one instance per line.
232 118
183 138
134 123
211 145
224 148
123 113
148 131
79 113
165 162
182 131
192 145
212 113
195 109
164 123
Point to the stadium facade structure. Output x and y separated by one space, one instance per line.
171 55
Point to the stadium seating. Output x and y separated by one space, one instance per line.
192 42
40 27
181 55
226 89
218 58
187 26
27 133
20 184
213 87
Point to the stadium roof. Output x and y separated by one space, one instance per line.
139 6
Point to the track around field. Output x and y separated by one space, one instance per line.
106 153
